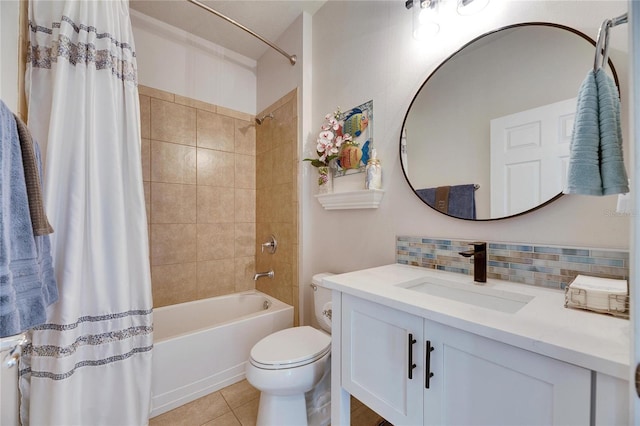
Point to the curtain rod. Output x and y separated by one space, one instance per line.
292 58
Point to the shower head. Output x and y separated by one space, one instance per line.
264 117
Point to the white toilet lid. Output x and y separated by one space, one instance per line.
292 347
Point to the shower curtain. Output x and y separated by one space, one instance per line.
90 364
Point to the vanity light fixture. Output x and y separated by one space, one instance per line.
470 7
426 13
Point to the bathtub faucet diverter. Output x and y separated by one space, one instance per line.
269 274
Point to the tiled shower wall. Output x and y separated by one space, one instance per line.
547 266
199 178
276 199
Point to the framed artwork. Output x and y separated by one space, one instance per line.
357 122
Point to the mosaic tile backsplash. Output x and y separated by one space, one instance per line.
545 266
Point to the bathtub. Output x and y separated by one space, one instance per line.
202 346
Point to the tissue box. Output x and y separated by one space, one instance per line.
599 295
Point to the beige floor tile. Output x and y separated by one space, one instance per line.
364 416
248 412
228 419
239 394
197 412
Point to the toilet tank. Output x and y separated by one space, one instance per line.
322 301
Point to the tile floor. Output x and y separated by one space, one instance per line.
237 405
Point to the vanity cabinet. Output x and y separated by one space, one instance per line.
415 371
378 354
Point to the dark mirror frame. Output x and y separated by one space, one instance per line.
524 24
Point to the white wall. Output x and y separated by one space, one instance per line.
276 77
176 61
9 12
364 50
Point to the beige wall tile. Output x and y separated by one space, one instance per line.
282 203
173 203
215 131
173 243
155 93
235 114
264 136
215 204
216 168
244 270
285 274
173 163
245 137
263 263
194 103
216 277
145 117
245 205
173 284
296 306
264 206
245 239
282 166
173 123
285 235
215 241
245 171
264 170
147 199
145 154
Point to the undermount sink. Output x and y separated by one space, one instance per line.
498 300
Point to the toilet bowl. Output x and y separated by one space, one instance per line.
291 369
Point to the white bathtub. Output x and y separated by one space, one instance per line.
202 346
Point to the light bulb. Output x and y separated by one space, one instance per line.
424 19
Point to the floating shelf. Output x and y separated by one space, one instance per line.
362 199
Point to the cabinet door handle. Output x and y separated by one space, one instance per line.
411 364
427 364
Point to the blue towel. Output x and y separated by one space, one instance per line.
462 200
596 164
27 281
612 171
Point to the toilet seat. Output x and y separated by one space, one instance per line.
290 348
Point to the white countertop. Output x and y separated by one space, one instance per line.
591 340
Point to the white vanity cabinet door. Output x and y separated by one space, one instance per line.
478 381
611 400
375 359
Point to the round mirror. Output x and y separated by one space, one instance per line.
487 135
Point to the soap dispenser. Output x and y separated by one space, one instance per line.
373 179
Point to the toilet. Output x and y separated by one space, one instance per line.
292 369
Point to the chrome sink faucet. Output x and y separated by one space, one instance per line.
479 254
268 274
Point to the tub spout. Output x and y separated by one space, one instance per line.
258 275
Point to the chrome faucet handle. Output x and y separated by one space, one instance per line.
271 245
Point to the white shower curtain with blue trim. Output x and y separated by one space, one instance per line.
90 364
